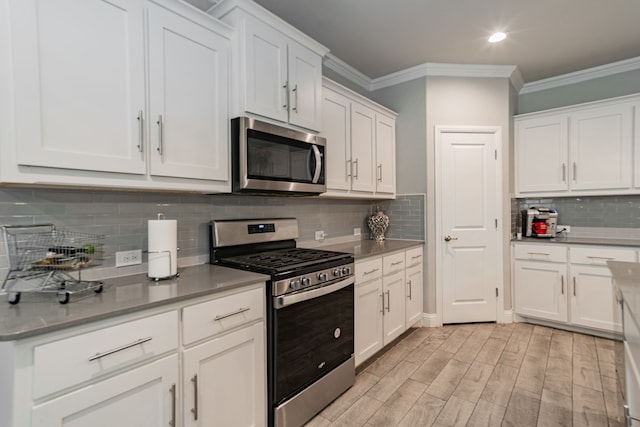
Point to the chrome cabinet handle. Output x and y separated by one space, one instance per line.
539 253
574 286
564 172
448 238
349 168
172 390
160 133
388 301
295 98
194 410
600 257
397 263
370 271
562 284
410 290
575 172
117 349
355 162
380 172
286 95
234 313
140 131
416 257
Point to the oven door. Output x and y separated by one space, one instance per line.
313 334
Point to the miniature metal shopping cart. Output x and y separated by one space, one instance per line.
43 258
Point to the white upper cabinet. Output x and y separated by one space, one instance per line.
78 74
115 94
580 150
277 69
188 76
361 145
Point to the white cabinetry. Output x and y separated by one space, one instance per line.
278 69
360 145
129 371
414 279
584 149
388 299
90 111
568 284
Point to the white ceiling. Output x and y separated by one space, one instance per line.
546 37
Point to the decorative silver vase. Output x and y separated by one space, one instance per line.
378 224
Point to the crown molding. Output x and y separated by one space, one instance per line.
336 64
582 75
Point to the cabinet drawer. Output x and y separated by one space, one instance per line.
393 263
540 253
413 256
61 364
212 317
600 256
368 270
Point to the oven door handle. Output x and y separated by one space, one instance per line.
286 300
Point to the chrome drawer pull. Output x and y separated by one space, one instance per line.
396 263
416 257
600 257
124 347
388 301
238 311
172 390
410 289
194 410
371 271
539 253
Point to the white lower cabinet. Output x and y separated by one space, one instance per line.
388 300
568 284
224 380
132 371
145 396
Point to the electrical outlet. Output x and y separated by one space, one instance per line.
564 228
356 231
320 235
125 258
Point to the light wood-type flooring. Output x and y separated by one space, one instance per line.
515 374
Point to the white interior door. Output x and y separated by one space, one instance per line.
469 212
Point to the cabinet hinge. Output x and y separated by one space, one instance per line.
496 292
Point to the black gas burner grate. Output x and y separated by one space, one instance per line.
283 259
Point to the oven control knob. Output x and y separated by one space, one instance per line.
337 272
346 270
306 281
294 284
322 277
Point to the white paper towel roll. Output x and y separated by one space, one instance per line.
163 248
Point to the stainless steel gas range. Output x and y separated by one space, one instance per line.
310 319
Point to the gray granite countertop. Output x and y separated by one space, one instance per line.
39 313
603 241
362 249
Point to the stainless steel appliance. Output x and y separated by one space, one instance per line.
268 158
540 222
310 319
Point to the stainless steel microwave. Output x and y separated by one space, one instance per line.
268 158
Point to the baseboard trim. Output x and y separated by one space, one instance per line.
430 320
507 316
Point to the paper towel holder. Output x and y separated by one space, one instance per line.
170 266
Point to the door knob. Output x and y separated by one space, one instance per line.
448 238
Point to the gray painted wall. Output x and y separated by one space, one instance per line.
591 90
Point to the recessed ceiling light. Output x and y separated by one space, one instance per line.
497 37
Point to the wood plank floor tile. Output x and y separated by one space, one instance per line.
613 400
455 413
491 351
388 384
447 380
424 350
474 381
397 406
429 370
555 410
584 344
364 381
532 373
503 331
500 385
358 413
318 421
456 339
522 410
588 407
424 412
383 365
539 345
586 377
486 414
472 346
558 384
561 345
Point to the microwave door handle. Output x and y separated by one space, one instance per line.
316 175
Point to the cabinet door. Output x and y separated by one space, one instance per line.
363 122
636 146
224 380
305 87
385 154
336 128
601 148
79 84
265 83
593 303
540 290
189 81
414 292
394 306
368 319
141 397
541 150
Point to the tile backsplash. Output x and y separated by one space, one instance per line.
122 216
